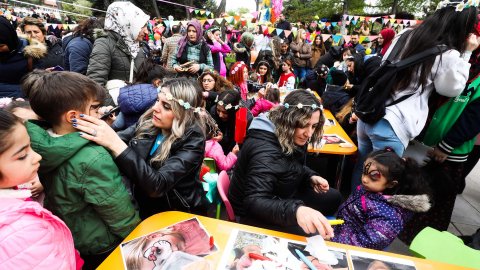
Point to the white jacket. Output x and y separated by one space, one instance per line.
449 77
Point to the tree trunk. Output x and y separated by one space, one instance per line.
221 8
155 6
394 6
188 3
106 3
345 6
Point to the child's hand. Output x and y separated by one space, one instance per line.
236 149
319 184
36 187
353 118
219 136
261 93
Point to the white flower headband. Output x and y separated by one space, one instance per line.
226 106
459 5
300 106
186 105
237 67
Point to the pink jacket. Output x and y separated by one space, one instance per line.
262 105
214 150
31 237
220 49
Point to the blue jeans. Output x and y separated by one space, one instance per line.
371 138
300 72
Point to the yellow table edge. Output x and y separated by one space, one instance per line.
220 230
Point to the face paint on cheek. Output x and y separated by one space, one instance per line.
159 252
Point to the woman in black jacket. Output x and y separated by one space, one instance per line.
164 152
271 186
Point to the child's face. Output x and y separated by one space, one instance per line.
284 48
92 108
262 70
285 67
222 113
245 74
19 164
373 179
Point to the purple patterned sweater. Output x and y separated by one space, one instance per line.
373 220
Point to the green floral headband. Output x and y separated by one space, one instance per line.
186 105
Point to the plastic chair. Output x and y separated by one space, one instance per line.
223 184
444 247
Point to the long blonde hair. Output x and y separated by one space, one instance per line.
299 36
180 88
286 120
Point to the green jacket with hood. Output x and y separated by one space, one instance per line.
84 188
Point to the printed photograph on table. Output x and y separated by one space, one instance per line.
329 122
369 261
332 139
179 246
247 250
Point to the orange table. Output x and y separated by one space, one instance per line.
221 230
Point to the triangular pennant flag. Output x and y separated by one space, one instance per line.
334 24
65 26
210 21
367 19
350 18
287 33
392 20
325 36
362 18
372 38
354 22
237 18
399 21
197 11
361 39
203 21
392 16
373 19
230 19
190 10
356 17
219 21
345 17
327 24
271 30
208 13
336 39
418 21
395 24
54 25
279 31
348 22
255 14
405 22
346 38
185 23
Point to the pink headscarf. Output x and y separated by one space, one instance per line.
388 34
183 42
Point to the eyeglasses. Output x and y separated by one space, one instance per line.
207 80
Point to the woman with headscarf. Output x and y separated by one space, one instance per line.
119 51
17 58
385 40
193 55
242 49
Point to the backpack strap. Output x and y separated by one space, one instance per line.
398 46
420 57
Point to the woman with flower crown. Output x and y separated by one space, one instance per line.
161 155
271 187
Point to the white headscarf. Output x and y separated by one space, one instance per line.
127 20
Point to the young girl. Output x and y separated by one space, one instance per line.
30 236
212 84
392 190
214 150
287 78
224 115
219 48
264 72
267 101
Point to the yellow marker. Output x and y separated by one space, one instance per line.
336 221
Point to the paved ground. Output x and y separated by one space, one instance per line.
466 215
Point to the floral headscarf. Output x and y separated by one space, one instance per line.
127 20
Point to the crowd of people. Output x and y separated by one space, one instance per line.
100 130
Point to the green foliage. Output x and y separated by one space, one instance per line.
238 11
305 10
76 9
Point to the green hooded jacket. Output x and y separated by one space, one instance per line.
84 188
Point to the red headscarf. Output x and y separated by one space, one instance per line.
388 34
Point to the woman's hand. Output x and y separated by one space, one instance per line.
319 184
312 221
99 131
194 68
178 69
472 42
